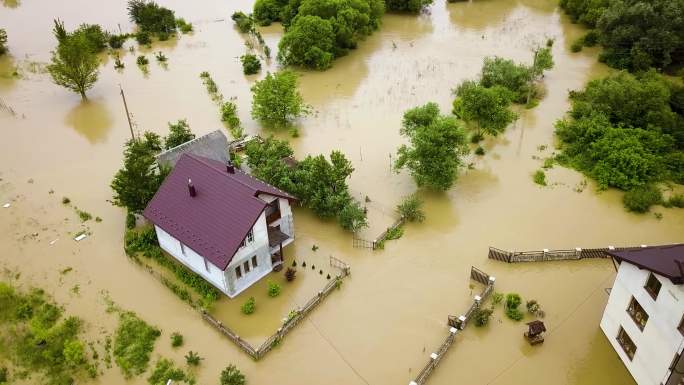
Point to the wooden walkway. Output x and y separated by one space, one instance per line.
552 255
457 324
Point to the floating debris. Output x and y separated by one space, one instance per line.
6 205
80 237
54 241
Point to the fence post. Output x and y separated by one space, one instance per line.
578 252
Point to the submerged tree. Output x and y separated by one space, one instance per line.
437 143
74 64
179 133
411 6
543 61
151 17
309 42
276 100
137 182
487 108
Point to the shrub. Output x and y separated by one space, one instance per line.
243 22
513 300
479 151
183 25
176 339
497 298
290 274
164 371
476 137
250 64
411 208
577 45
66 201
411 6
641 199
160 57
273 289
229 116
142 60
676 200
231 375
84 215
591 38
539 177
133 343
514 314
352 217
143 38
116 41
249 306
4 374
482 316
193 359
532 306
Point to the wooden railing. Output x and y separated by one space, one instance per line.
552 255
456 324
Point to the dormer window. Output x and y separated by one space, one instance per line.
653 286
248 239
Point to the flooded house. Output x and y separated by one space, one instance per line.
223 224
644 317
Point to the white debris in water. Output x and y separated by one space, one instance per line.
6 205
54 241
80 237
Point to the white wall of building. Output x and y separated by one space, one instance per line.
660 341
259 248
191 259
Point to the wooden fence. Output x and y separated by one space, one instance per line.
457 324
292 320
552 255
378 241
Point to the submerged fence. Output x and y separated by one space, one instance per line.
292 320
377 243
552 255
457 324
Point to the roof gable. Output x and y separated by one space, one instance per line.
214 222
663 260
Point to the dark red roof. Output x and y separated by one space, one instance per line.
658 259
214 222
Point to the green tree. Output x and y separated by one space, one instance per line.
231 375
179 133
309 42
265 160
74 64
411 209
3 42
411 6
542 61
267 11
137 182
487 108
437 143
322 184
276 100
498 71
151 17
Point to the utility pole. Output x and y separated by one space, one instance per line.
128 115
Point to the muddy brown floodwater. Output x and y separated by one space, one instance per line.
382 326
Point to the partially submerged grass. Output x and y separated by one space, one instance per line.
133 343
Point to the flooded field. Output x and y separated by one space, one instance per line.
380 328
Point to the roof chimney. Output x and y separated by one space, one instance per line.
230 168
191 188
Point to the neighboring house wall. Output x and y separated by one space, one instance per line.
191 259
660 340
259 248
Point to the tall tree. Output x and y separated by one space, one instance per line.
179 133
543 61
487 108
74 64
276 100
137 182
437 143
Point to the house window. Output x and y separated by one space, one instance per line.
246 266
653 286
250 236
681 325
254 262
238 272
637 313
626 343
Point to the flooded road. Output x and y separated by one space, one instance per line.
383 324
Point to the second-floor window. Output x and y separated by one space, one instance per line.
248 238
637 313
653 286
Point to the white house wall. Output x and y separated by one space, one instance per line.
192 260
660 341
259 248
